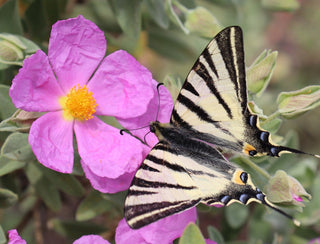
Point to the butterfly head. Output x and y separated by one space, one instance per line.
157 128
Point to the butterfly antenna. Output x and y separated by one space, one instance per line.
160 84
144 138
270 205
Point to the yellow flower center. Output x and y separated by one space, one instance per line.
78 104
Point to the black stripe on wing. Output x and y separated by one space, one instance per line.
159 210
202 114
234 63
189 87
165 163
202 71
155 184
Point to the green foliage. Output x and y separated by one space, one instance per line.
191 235
167 36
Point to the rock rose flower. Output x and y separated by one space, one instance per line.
74 84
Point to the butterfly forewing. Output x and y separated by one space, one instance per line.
214 95
212 104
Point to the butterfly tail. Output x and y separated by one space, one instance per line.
265 202
278 150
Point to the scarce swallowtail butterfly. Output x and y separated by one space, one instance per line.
183 169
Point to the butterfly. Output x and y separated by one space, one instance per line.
184 168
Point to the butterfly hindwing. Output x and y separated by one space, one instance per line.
174 178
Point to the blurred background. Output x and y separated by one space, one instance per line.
167 36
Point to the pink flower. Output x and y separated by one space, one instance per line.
14 237
73 84
163 231
92 239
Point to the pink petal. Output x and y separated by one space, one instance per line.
208 241
164 114
121 86
50 138
76 47
105 184
35 88
105 151
14 237
92 239
163 231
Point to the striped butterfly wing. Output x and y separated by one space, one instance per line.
173 179
213 98
212 104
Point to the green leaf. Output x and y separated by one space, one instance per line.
45 189
8 166
191 235
3 238
128 14
311 213
10 54
64 182
281 5
175 45
174 16
9 18
260 72
16 147
201 21
75 230
7 198
93 205
36 20
236 215
6 106
157 12
14 48
294 103
271 125
215 235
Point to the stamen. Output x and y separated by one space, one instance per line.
78 104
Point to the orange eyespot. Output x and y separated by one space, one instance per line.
240 177
249 150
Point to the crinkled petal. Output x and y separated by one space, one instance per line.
14 237
35 87
51 139
76 47
163 231
163 116
121 86
105 151
105 184
92 239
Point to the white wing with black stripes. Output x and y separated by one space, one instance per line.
212 104
183 169
173 180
